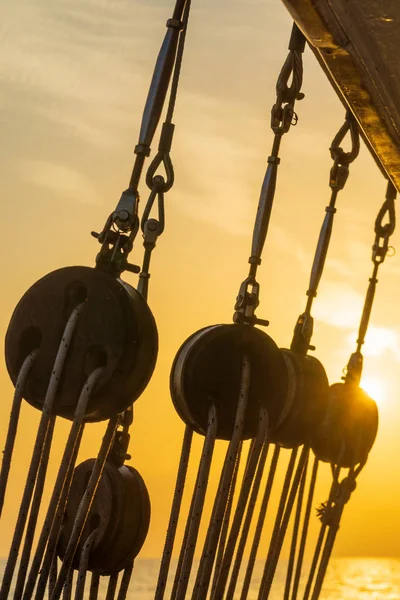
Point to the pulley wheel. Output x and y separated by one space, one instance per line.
120 513
116 330
306 403
207 370
349 430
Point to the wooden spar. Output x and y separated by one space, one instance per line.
358 46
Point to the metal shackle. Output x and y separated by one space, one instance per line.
120 514
349 429
306 402
207 370
116 330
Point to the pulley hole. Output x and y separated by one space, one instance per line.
75 293
95 357
94 522
30 340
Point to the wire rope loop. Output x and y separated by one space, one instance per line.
341 157
387 211
152 180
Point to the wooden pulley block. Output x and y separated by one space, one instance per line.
349 429
120 513
208 368
306 402
116 330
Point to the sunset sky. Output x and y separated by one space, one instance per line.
74 77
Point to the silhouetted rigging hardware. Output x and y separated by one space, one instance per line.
102 364
228 382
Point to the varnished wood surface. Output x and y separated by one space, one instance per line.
358 46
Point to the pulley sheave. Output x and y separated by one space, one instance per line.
116 330
306 402
207 370
349 429
120 513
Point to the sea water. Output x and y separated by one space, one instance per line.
346 579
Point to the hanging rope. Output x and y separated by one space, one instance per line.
42 437
304 533
52 522
13 424
260 524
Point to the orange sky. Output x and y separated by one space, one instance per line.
74 79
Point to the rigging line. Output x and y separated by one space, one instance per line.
241 504
84 563
34 513
51 551
324 524
67 463
209 549
227 516
124 585
85 505
174 515
344 491
277 546
13 423
41 436
278 518
247 523
178 63
196 508
295 534
67 592
94 586
306 521
53 575
112 586
260 524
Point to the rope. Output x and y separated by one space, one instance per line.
174 515
67 593
295 534
214 530
34 512
196 509
112 586
67 465
278 518
85 505
227 516
276 544
51 551
241 505
53 575
123 588
13 423
83 565
260 524
178 63
344 491
42 434
247 522
322 531
304 533
94 586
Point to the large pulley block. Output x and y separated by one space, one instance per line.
349 429
306 402
207 370
120 514
116 330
